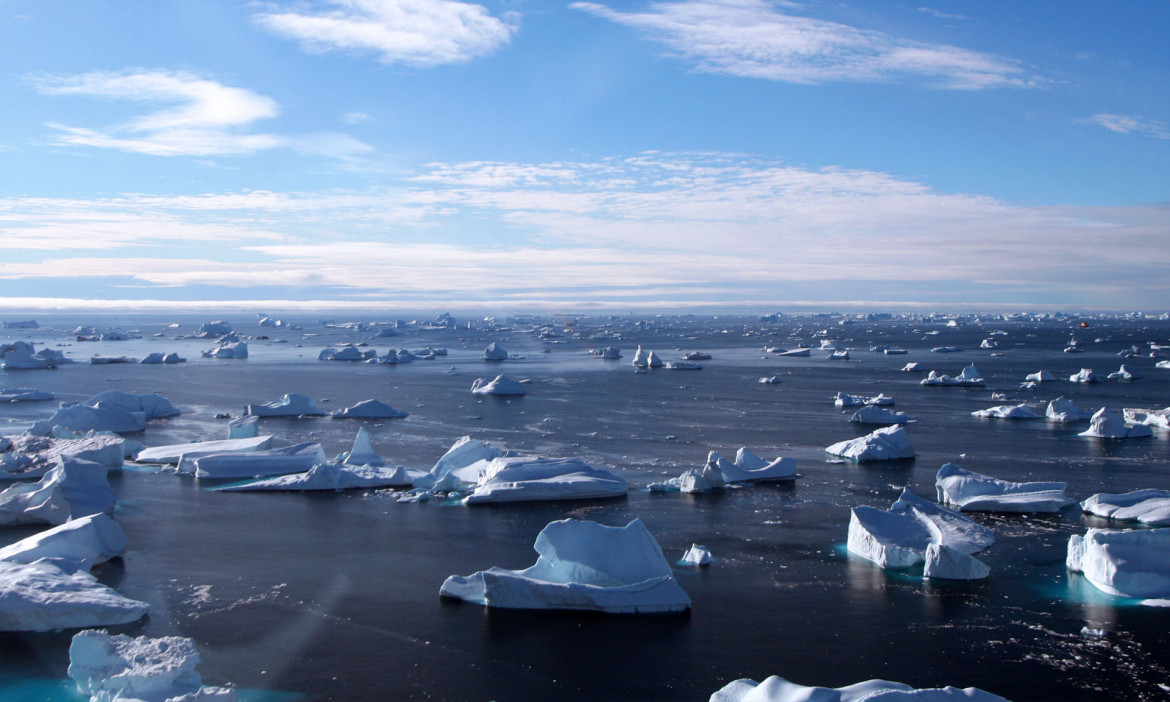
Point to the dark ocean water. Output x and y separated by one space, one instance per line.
336 596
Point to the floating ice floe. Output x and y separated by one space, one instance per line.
24 395
1148 507
1062 410
536 478
892 351
1085 375
974 492
842 355
102 416
885 444
349 353
697 356
500 385
112 668
332 477
1162 364
901 537
21 355
718 471
31 456
1020 411
777 689
608 353
159 357
582 566
173 453
1124 373
231 349
697 555
1149 417
846 400
78 544
43 596
495 352
254 464
1133 563
912 367
802 351
1106 424
1040 377
291 404
369 409
111 360
151 405
72 489
682 365
871 414
968 378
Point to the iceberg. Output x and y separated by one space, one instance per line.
1062 410
254 464
173 453
770 380
748 467
159 357
31 456
697 356
871 414
460 467
362 453
802 351
1039 377
682 365
231 349
1020 411
41 596
349 353
846 400
102 416
608 353
1133 563
842 355
210 330
110 360
974 492
21 355
885 444
245 427
79 543
653 360
500 385
1124 373
530 478
289 405
1149 417
152 405
946 349
582 565
1106 424
901 537
969 377
369 409
641 359
331 477
1086 375
495 352
912 367
1148 507
777 689
944 562
24 395
697 555
74 488
143 669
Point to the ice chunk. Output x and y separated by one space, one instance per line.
682 365
802 351
885 444
461 466
231 349
362 453
1020 411
535 478
332 476
245 427
152 405
1132 563
111 360
748 467
1040 377
969 377
24 395
32 456
1106 424
143 669
255 464
495 352
289 405
1149 507
777 689
74 488
697 555
871 414
173 453
369 409
950 564
912 367
846 400
82 543
21 355
974 492
582 566
1063 410
41 596
101 417
641 359
1085 375
500 385
1149 417
1124 373
609 353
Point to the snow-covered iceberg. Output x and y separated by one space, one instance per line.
500 385
969 377
582 566
1064 410
291 404
159 357
24 395
885 444
74 488
1133 563
846 400
460 468
1107 424
369 409
231 349
536 478
974 492
41 596
1085 375
21 355
1020 411
777 689
748 467
80 543
1124 373
1040 377
332 477
1159 418
495 352
255 464
31 456
871 414
112 668
173 453
102 416
1149 507
362 453
152 405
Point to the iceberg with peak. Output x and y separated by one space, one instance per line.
1064 410
362 453
21 355
113 668
1133 563
536 478
1148 507
348 353
777 689
74 488
495 352
872 414
173 453
291 404
369 409
500 385
974 492
585 566
885 444
230 349
79 543
641 358
1106 424
460 468
1020 411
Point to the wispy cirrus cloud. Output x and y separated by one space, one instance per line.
754 39
420 33
207 118
1127 124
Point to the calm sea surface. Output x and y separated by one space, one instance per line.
335 597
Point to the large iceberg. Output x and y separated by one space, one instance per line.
1149 507
1063 410
1106 424
369 409
152 405
255 464
582 566
777 689
885 444
74 488
1132 563
102 416
231 349
974 492
748 467
173 453
530 478
31 456
460 467
291 404
331 477
79 543
41 596
500 385
1020 411
111 668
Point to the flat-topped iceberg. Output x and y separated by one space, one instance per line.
291 404
173 453
41 596
80 543
969 377
1063 410
254 464
24 395
974 492
1107 424
152 405
582 566
102 416
1149 417
332 477
885 444
532 478
74 488
369 409
1149 507
500 385
846 400
872 414
1020 411
1132 563
777 689
31 456
143 669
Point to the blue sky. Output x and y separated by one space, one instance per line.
550 155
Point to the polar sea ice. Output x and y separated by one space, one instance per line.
500 385
74 488
885 444
79 543
582 565
974 492
1133 563
536 478
291 404
41 596
777 689
1148 507
110 668
1107 424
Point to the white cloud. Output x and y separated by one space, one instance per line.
751 38
1126 124
414 32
